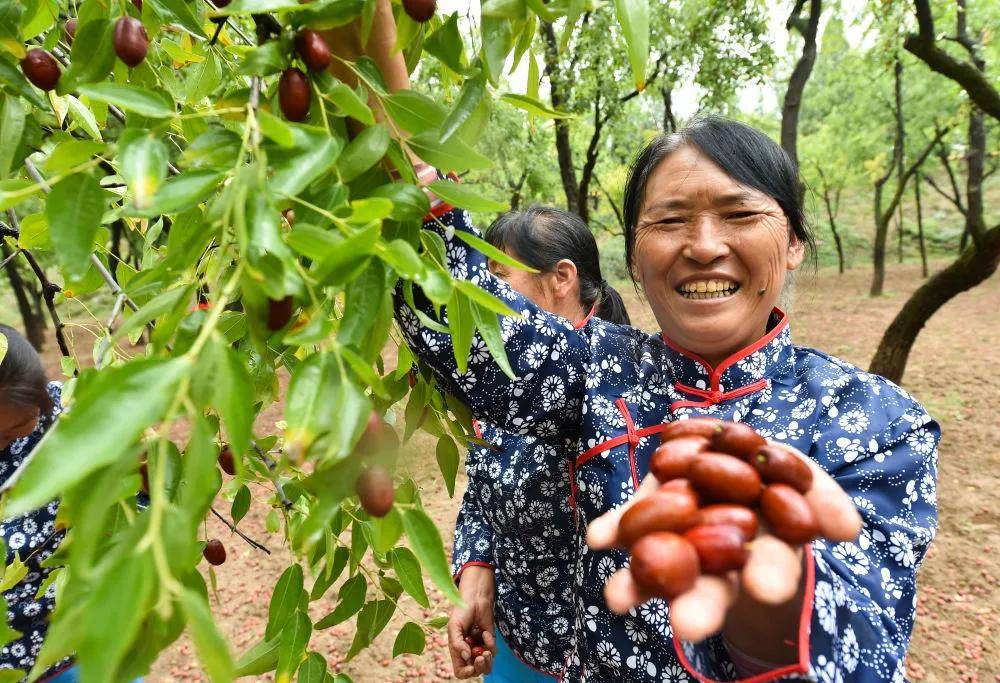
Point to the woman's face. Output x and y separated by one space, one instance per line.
16 422
711 255
557 291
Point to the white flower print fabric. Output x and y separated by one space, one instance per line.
516 518
620 385
32 538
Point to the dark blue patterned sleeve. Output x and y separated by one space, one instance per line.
473 544
547 355
881 447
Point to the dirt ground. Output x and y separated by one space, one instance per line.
952 370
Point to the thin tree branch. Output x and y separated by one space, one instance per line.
232 527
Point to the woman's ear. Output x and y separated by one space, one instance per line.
564 279
796 252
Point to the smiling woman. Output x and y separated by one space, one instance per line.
713 223
713 226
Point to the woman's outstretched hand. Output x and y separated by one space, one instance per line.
771 577
477 589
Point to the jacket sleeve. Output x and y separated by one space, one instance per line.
860 597
548 357
473 544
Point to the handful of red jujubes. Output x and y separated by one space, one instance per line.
718 480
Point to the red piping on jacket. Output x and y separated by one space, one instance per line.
633 438
805 621
716 394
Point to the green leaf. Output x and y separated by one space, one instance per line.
488 325
426 543
121 597
363 152
212 648
483 298
142 162
350 103
256 7
491 252
408 202
92 56
633 16
241 504
326 14
414 111
275 129
462 327
131 98
265 60
351 599
407 569
403 258
295 169
534 106
74 211
363 299
472 92
453 156
409 640
70 153
331 572
462 197
83 116
13 573
447 459
312 669
12 116
232 398
159 305
371 622
181 192
446 44
7 634
179 12
294 640
284 601
12 79
259 659
84 440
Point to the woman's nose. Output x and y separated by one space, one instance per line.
705 240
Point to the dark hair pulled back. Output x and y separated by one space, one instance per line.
22 378
541 236
744 153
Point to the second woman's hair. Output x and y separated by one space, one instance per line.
541 236
22 378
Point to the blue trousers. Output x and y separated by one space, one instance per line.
507 668
72 675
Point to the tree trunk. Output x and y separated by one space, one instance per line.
590 162
34 325
800 75
833 228
564 150
975 265
878 256
920 225
899 231
515 196
669 122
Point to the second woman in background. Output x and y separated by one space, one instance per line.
514 551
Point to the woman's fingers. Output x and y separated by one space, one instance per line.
484 663
838 516
603 531
701 611
773 570
460 651
621 592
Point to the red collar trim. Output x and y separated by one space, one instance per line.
715 374
593 310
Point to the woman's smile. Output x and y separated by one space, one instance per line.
708 288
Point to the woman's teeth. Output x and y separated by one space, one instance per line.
708 289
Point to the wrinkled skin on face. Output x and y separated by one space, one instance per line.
16 422
696 224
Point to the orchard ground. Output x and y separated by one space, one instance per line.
952 370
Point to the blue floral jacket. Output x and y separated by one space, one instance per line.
605 391
32 538
516 517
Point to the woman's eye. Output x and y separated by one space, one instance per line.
741 215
